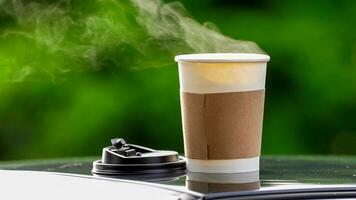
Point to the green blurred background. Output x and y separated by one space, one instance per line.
61 112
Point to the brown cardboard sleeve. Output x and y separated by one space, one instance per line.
222 125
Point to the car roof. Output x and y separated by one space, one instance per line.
320 176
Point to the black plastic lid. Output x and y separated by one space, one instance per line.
128 159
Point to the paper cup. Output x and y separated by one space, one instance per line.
222 101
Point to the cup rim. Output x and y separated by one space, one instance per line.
222 57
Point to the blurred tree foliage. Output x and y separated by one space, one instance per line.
311 86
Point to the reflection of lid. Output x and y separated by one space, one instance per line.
223 57
129 159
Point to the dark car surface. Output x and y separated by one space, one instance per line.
279 178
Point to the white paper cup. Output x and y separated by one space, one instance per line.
222 98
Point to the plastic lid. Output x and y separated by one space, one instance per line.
129 159
223 57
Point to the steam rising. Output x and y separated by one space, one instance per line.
49 39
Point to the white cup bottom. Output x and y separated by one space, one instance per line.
226 178
224 166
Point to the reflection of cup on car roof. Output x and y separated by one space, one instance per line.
221 182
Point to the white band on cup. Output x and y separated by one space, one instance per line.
246 177
222 72
224 166
203 78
